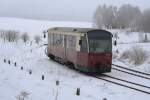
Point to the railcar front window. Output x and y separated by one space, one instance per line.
99 46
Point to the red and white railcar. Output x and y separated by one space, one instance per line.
85 49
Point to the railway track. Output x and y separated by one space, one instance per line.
131 70
124 83
127 78
138 75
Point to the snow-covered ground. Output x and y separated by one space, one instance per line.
14 81
34 27
126 41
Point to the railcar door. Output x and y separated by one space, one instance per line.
65 47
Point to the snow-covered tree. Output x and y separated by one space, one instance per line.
105 16
144 21
25 37
12 35
127 16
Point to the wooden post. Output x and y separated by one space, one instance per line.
4 60
115 42
104 98
57 82
15 64
78 91
21 68
42 77
30 72
9 62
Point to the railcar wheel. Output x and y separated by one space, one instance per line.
70 65
51 56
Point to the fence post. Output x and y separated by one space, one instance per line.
57 82
9 62
42 77
104 98
21 68
4 60
30 72
15 64
78 91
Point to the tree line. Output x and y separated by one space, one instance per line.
126 16
14 36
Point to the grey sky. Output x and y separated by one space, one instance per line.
78 10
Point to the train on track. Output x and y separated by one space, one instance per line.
84 49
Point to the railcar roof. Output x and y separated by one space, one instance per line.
72 29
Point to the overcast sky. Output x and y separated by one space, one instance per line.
77 10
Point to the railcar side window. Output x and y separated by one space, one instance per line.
58 39
71 42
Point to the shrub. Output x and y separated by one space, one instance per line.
125 55
136 55
22 95
25 37
12 35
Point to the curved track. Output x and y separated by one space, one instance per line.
128 78
138 75
139 72
123 83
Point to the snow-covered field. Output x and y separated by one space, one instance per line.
36 26
125 42
15 82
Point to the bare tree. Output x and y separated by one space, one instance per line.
37 39
127 16
25 37
22 95
3 34
112 17
144 21
12 36
105 16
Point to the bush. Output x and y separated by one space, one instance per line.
2 33
136 55
22 96
12 35
25 37
125 55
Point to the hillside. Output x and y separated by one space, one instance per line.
36 26
16 81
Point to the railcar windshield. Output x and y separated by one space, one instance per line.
100 46
100 41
